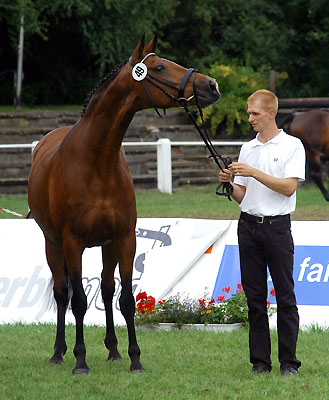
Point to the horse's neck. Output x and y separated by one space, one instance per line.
99 134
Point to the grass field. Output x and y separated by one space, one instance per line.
196 202
179 365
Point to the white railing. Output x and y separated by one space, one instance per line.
163 146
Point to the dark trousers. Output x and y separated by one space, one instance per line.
261 245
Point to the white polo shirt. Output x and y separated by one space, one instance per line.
282 157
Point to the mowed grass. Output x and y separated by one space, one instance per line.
196 202
178 365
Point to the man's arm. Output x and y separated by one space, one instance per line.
285 186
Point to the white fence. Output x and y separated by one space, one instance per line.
163 146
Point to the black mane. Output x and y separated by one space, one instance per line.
105 80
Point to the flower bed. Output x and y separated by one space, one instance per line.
185 310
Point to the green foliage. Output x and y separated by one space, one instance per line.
70 44
236 84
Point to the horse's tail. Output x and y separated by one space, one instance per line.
29 215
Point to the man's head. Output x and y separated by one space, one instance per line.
265 99
262 109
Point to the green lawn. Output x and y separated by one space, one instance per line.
196 202
179 365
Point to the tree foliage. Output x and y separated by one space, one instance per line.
70 44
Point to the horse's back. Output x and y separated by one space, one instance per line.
312 127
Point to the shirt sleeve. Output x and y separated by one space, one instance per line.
295 164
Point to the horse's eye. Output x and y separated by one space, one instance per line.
158 68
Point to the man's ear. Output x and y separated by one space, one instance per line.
271 113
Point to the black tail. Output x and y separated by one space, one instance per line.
29 215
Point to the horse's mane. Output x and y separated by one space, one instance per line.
105 80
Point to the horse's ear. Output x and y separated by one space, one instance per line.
139 50
150 48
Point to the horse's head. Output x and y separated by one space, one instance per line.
162 83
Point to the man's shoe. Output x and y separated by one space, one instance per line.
289 371
260 369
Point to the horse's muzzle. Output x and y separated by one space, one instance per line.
208 92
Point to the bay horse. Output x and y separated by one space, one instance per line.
81 194
312 128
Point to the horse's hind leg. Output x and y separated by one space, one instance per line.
108 290
316 173
127 301
55 258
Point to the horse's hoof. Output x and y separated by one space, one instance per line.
81 371
114 358
136 368
55 361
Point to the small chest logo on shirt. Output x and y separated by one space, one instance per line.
275 159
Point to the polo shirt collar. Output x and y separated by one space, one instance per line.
276 139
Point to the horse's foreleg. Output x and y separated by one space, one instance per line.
316 173
108 290
127 301
73 256
55 258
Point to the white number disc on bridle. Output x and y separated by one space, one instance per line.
139 71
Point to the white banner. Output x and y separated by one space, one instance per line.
171 257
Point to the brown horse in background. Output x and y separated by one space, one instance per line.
312 128
81 193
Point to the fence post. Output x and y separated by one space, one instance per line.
164 165
34 145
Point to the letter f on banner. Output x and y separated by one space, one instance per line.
303 267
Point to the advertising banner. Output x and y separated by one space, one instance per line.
174 255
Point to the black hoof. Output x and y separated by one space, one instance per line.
81 371
114 358
136 368
55 361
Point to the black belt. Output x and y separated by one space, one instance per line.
266 219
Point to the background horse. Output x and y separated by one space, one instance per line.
81 192
312 128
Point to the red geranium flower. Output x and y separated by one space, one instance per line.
141 296
202 303
211 302
227 289
221 298
239 288
272 291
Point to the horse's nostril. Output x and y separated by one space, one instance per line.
213 86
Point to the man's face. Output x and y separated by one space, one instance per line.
258 116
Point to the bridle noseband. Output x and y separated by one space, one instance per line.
183 102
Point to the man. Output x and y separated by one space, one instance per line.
266 178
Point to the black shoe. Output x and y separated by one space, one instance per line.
289 371
260 369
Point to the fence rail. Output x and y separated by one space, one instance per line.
164 161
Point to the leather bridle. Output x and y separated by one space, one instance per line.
183 102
